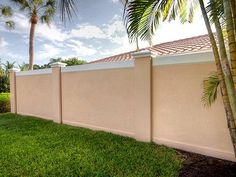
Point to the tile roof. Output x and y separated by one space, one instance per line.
188 45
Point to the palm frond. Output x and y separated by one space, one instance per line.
23 4
49 11
187 10
210 86
67 9
215 9
10 24
142 18
6 11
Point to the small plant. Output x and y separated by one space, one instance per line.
4 102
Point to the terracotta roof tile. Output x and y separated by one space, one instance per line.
188 45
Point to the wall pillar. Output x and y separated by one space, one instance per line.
56 91
13 97
142 95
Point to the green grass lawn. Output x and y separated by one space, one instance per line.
36 147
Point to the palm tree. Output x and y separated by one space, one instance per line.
8 66
6 11
40 9
231 36
223 69
142 18
44 10
24 67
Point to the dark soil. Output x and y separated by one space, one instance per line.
196 165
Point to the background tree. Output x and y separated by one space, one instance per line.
37 10
4 76
69 62
8 66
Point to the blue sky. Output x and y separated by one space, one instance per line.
96 32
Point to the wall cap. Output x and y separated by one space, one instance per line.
34 72
99 66
143 54
58 65
188 58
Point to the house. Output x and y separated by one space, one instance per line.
193 45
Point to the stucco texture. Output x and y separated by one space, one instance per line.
34 95
179 117
101 99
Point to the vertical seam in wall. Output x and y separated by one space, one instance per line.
151 100
15 92
60 95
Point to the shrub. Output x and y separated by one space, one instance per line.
4 83
4 102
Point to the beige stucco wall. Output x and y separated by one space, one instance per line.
99 99
179 118
159 103
34 95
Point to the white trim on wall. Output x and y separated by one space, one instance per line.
198 57
99 66
34 72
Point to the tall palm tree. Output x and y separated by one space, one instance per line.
6 11
142 18
37 10
227 84
233 5
231 36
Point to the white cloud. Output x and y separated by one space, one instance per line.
88 31
116 26
80 49
51 33
47 51
3 43
115 1
56 35
113 31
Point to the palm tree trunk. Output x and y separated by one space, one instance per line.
231 37
31 46
225 63
224 84
233 6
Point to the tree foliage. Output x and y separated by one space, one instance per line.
6 12
4 76
210 87
69 62
45 10
142 17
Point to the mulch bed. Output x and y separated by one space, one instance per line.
196 165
